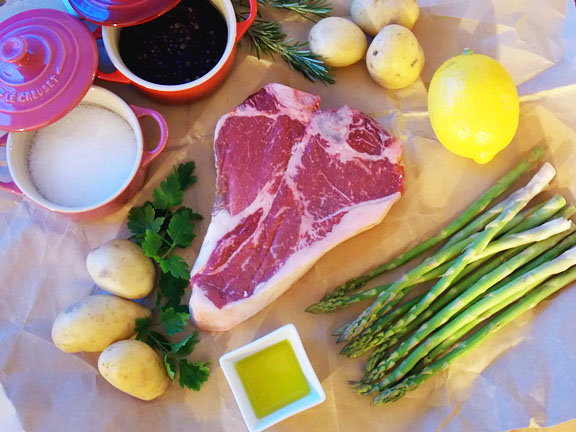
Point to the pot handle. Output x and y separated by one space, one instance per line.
149 156
242 27
8 186
116 76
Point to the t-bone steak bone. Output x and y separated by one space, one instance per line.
292 183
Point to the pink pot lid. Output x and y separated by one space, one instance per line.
121 13
48 61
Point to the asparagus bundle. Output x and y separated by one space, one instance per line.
383 343
363 343
488 262
501 298
462 301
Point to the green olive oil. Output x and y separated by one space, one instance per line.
272 378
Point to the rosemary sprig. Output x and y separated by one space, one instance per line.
304 8
267 38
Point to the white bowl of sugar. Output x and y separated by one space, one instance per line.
88 163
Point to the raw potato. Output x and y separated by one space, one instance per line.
120 267
134 368
96 322
339 41
373 15
395 58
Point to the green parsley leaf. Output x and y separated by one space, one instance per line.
152 244
141 219
142 324
175 265
185 347
170 366
171 288
169 194
182 308
173 322
190 213
181 230
193 375
185 177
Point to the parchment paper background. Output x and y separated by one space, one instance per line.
523 375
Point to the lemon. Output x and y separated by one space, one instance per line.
473 106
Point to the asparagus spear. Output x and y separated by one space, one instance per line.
463 301
340 302
495 191
523 305
387 318
504 296
445 346
516 202
541 213
533 235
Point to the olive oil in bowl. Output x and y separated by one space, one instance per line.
272 378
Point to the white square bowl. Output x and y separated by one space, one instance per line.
228 360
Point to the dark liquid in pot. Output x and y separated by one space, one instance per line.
178 47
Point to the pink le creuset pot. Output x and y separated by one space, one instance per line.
114 14
48 62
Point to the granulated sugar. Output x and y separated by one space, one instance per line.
83 159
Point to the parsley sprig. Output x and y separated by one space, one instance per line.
161 227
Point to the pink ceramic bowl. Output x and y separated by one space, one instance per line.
187 91
18 144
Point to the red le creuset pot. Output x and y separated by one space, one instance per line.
114 14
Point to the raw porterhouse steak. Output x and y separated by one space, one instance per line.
292 183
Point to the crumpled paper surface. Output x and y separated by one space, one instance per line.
523 376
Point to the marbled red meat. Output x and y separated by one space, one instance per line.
293 182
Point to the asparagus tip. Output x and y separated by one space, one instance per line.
361 387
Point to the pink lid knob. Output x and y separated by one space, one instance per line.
14 50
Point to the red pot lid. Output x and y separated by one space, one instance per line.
121 13
48 61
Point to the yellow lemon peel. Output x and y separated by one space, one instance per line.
473 106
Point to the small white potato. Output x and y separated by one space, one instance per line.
96 322
395 58
121 267
372 15
338 40
134 368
